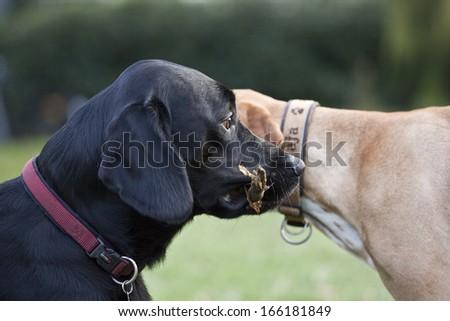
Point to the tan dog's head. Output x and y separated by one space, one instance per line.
260 113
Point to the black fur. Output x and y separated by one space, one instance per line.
136 205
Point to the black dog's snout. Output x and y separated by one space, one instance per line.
299 168
296 164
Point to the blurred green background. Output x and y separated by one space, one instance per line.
383 55
376 54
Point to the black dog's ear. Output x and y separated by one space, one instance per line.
140 164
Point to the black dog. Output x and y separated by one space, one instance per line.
138 161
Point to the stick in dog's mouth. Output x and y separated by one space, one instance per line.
258 186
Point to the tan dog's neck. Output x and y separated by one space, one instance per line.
390 178
333 157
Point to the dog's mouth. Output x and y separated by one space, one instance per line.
235 199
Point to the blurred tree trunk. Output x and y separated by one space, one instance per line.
4 123
417 49
5 129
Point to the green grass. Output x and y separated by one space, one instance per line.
15 153
243 259
246 259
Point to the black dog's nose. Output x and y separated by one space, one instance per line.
296 164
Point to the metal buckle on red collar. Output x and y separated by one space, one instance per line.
117 265
108 259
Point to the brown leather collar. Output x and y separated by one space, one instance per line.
295 127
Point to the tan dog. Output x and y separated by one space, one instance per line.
394 188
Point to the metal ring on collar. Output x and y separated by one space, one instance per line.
133 277
124 286
285 232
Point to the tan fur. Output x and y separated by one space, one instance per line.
395 189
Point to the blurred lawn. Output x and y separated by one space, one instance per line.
243 259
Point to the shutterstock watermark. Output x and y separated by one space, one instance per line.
331 151
196 153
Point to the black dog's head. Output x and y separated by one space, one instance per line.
173 146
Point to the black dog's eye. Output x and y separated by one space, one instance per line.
227 123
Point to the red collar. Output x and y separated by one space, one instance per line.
69 222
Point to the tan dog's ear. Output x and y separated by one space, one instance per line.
257 117
260 122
